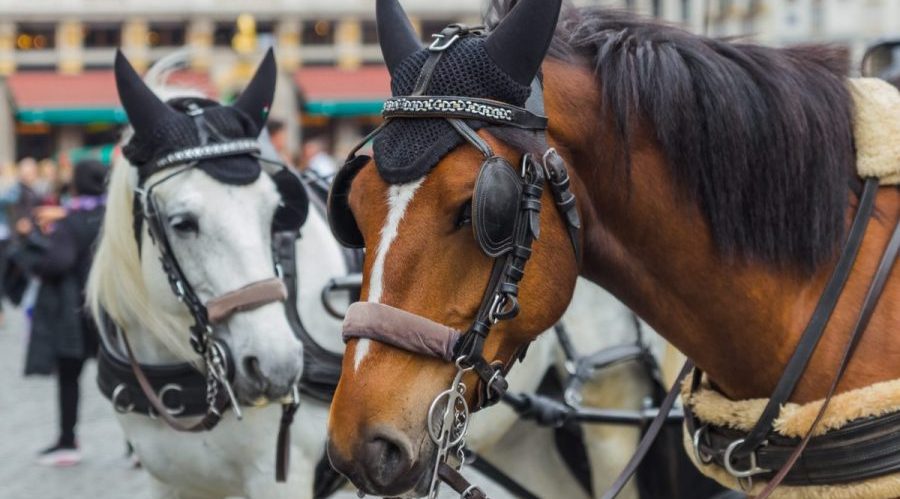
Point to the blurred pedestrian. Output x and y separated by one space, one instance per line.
47 184
9 194
27 197
279 138
58 248
317 159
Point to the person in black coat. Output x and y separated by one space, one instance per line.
63 336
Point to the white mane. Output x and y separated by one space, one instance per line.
116 284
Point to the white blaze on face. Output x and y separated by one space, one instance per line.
398 200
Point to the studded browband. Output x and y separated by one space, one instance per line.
466 108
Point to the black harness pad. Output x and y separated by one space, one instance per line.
495 206
340 217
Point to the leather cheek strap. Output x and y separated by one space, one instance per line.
249 297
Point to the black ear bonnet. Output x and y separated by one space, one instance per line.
179 131
408 148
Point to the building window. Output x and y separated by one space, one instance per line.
166 34
319 32
369 33
102 35
36 36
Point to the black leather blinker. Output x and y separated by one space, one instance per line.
495 206
340 216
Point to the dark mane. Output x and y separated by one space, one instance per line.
760 137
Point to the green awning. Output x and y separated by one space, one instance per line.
116 115
72 116
102 153
341 109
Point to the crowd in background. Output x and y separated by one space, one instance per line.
50 216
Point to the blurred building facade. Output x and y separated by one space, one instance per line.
55 55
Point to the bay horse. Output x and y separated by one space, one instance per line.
714 182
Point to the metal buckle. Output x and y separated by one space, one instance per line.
744 477
496 307
469 490
439 45
701 457
117 391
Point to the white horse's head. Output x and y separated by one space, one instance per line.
217 216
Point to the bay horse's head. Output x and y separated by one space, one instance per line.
186 251
463 267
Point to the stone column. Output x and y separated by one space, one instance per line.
200 41
70 46
136 43
7 126
348 43
287 36
7 48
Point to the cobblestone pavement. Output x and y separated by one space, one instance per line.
28 423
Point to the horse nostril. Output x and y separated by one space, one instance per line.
386 461
254 372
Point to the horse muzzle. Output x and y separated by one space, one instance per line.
385 464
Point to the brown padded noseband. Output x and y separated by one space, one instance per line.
249 297
400 329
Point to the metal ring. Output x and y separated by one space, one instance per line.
701 457
173 411
749 472
117 391
452 396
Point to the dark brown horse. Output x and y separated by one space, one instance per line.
715 183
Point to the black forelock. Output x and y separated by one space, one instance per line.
408 148
179 131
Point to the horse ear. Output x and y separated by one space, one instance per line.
144 109
518 45
256 99
396 35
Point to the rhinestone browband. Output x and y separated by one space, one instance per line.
210 151
463 108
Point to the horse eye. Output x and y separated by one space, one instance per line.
184 224
465 215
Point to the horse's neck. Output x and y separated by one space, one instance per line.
319 258
652 248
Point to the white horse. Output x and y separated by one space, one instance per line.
229 247
237 458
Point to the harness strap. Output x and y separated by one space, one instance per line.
872 297
209 421
457 482
249 297
649 437
796 366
